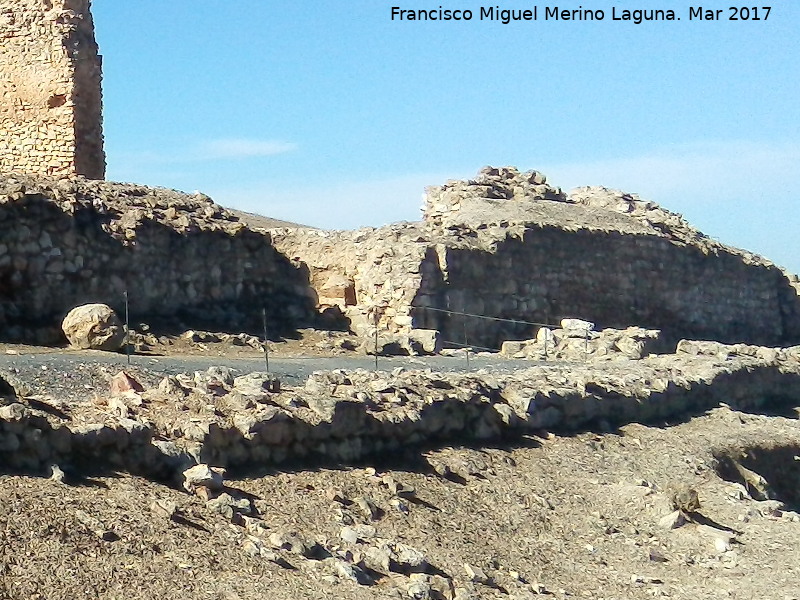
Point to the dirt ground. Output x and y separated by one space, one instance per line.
563 516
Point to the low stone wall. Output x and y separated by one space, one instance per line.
341 417
178 256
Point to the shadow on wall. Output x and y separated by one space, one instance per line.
612 279
51 261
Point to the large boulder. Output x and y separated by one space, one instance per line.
94 326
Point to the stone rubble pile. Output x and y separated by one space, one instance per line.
581 343
342 416
491 183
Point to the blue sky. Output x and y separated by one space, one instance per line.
331 114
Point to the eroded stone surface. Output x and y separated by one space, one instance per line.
50 95
94 326
509 246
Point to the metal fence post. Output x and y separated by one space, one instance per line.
127 330
466 342
266 339
376 340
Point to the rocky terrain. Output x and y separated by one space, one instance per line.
617 463
490 484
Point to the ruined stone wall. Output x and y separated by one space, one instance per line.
50 89
365 273
507 245
179 257
517 249
345 416
612 279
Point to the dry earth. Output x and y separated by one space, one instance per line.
564 516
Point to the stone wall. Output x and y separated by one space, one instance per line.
50 89
344 416
507 245
614 280
516 250
368 274
69 242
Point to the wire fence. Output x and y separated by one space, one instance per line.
465 343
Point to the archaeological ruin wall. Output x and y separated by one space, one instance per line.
181 258
50 89
368 276
519 249
507 245
611 279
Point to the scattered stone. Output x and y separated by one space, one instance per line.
293 542
229 507
577 326
357 533
396 488
203 476
656 555
56 474
673 520
419 590
124 383
407 559
164 508
94 326
368 507
685 499
257 384
96 526
475 574
400 505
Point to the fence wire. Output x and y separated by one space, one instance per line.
466 345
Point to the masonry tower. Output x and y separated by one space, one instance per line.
50 89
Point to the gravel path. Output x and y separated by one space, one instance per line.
291 370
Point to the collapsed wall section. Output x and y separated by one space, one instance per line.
50 89
370 275
179 257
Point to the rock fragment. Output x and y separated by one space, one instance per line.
203 476
94 326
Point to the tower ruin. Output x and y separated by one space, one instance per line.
50 89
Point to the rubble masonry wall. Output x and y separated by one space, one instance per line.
50 89
52 259
344 416
543 274
612 279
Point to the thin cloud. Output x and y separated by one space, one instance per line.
205 151
233 148
706 172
